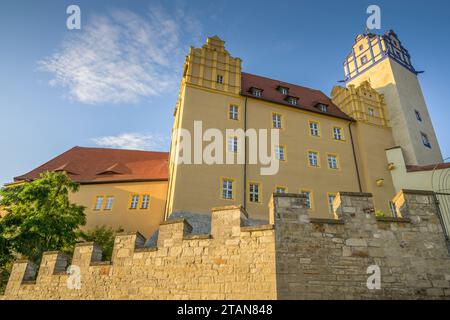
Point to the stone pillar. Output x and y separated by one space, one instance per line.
86 253
226 222
52 263
349 206
22 270
124 245
172 232
291 220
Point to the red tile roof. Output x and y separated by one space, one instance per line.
99 165
307 98
431 167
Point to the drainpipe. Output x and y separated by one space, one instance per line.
245 151
354 156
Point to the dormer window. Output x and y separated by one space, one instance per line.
322 107
292 100
283 90
256 92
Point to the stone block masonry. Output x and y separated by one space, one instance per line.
294 257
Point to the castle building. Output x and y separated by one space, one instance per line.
373 135
323 148
121 189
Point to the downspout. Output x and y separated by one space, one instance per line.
245 153
354 156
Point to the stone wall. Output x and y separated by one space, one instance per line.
232 262
329 259
294 257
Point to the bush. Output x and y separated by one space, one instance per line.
104 237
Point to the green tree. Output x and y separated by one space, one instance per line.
39 217
104 237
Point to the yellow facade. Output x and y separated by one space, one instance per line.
373 135
120 215
196 188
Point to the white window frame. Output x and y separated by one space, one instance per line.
314 128
99 203
257 92
277 121
280 153
134 203
234 112
323 107
337 133
313 157
109 203
233 144
253 192
333 162
145 203
227 189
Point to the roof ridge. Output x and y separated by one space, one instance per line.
119 149
289 83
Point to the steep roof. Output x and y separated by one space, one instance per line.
307 98
101 165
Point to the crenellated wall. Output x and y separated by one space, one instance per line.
233 262
295 257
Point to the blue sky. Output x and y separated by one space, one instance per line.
60 88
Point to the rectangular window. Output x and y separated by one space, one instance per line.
284 90
219 78
418 116
227 189
234 112
254 192
280 190
332 161
145 201
337 133
257 92
233 144
109 203
292 101
134 201
314 128
308 196
331 197
313 158
276 121
322 107
371 112
425 140
98 203
280 153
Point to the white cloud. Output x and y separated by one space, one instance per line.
122 56
135 141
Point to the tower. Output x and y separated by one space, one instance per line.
382 61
